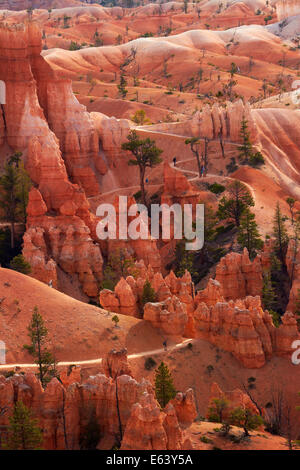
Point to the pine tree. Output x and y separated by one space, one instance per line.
235 204
9 198
148 294
269 298
23 430
14 190
122 86
249 236
146 155
164 387
268 292
216 411
184 259
19 263
244 418
280 234
38 334
245 148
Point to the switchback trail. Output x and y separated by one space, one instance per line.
99 360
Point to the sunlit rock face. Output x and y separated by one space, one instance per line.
286 8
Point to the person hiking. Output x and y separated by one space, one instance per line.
165 344
174 161
202 171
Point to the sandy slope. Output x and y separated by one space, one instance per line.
78 331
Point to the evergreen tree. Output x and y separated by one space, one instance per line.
146 155
268 292
164 387
245 148
244 418
122 86
249 236
38 334
235 204
23 430
280 234
184 259
148 294
216 411
9 198
119 264
115 320
14 189
19 263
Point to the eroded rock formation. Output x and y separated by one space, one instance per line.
125 409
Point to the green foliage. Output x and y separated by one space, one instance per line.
244 418
146 155
205 440
245 148
115 319
247 155
122 86
119 264
164 387
232 166
280 234
14 189
23 431
248 235
235 204
19 263
256 159
148 294
38 335
268 292
140 118
74 46
217 188
184 259
216 411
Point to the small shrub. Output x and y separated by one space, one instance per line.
115 319
256 159
217 188
149 363
205 439
19 263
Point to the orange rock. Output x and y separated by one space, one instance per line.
116 364
239 276
235 399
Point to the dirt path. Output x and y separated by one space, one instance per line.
153 352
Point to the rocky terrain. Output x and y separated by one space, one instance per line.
74 78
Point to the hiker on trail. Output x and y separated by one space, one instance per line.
174 161
165 345
146 180
202 171
50 283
